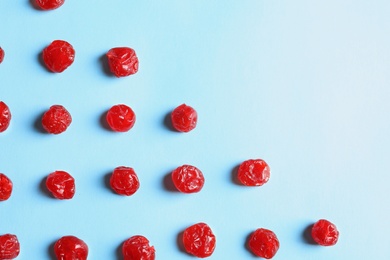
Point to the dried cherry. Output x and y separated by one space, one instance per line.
58 56
70 248
122 61
49 4
199 240
325 233
1 55
263 243
188 179
61 185
5 116
253 172
9 247
124 181
56 120
138 248
120 118
184 118
5 187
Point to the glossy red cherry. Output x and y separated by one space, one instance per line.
58 56
56 120
61 185
2 53
263 243
199 240
9 247
253 172
5 187
5 116
124 181
138 248
188 179
184 118
120 118
49 4
122 61
325 233
70 248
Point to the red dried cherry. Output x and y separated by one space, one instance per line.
61 185
5 187
325 233
138 248
199 240
70 248
5 116
49 4
9 247
1 55
124 181
188 179
56 120
120 118
253 172
122 61
263 243
58 56
184 118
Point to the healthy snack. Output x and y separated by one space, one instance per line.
58 56
56 120
138 248
184 118
5 116
9 247
124 181
263 243
5 187
70 248
1 55
188 179
49 4
120 118
122 61
61 185
253 172
325 233
199 240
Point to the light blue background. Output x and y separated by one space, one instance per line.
302 84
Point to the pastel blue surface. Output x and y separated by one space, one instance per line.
302 84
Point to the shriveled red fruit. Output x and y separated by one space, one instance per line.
5 187
58 56
49 4
70 248
9 247
61 185
1 55
263 243
120 118
138 248
199 240
184 118
122 61
253 172
56 120
325 233
5 116
124 181
188 179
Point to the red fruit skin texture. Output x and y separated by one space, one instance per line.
70 248
325 233
184 118
56 120
253 172
138 248
188 179
61 185
5 116
124 181
58 56
9 247
120 118
49 4
5 187
263 243
199 240
1 55
122 61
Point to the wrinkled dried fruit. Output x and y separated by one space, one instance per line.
56 120
199 240
184 118
120 118
263 243
1 55
253 172
124 181
5 116
188 179
70 248
9 247
138 248
58 56
5 187
49 4
61 185
122 61
325 233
